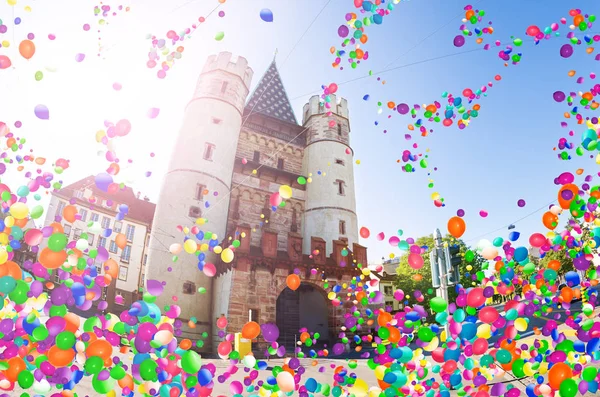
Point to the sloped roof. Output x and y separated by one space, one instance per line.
139 210
270 98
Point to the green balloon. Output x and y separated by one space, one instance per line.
57 242
25 379
117 372
40 333
589 374
7 284
503 356
19 294
469 256
59 311
383 332
103 386
39 75
148 369
425 334
90 323
65 340
438 304
517 368
568 388
94 365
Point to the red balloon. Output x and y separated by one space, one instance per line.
364 232
475 297
537 240
480 346
488 314
415 261
533 31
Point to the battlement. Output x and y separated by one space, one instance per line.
238 66
316 106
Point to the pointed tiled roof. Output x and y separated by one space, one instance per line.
269 97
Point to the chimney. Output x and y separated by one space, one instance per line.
146 198
138 195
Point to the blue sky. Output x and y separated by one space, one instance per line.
503 156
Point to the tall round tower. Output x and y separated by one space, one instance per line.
330 209
197 185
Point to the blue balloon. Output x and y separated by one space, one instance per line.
266 15
514 236
377 19
521 254
311 385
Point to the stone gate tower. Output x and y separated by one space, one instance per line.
330 211
201 165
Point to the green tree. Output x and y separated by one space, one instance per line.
410 280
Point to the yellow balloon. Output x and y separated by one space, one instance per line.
3 256
435 342
5 43
99 135
19 210
484 331
360 388
285 192
227 255
204 247
366 271
218 249
190 246
380 372
331 296
9 221
521 324
3 238
11 2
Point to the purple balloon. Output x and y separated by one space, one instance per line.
343 31
103 181
459 41
42 112
566 50
521 203
402 108
338 349
270 332
559 96
154 287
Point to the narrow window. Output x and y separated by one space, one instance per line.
60 208
145 258
280 164
253 315
113 247
256 157
102 242
105 222
123 270
339 128
224 87
342 227
130 233
209 149
91 239
95 217
339 161
67 229
79 194
83 214
118 227
76 234
126 254
340 187
200 192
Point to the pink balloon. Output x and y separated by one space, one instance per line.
488 314
5 62
224 348
475 297
275 199
123 127
33 237
537 240
153 113
415 260
210 270
480 346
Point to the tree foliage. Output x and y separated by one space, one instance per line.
566 263
410 280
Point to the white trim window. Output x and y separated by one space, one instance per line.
113 247
105 222
130 232
126 254
83 214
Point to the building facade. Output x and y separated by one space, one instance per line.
234 152
97 219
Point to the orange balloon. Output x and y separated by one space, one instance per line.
293 281
250 330
566 294
550 220
21 222
554 265
100 348
111 268
57 228
73 322
69 213
559 373
10 268
126 381
121 240
27 49
185 344
456 226
52 260
394 334
384 318
15 366
304 336
565 203
60 358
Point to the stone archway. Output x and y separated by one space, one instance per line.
307 307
